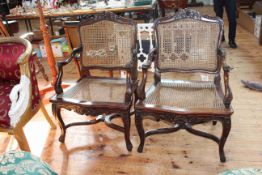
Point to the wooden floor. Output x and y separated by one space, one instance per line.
101 150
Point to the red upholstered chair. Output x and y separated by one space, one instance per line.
19 94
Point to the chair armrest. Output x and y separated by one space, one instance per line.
28 36
60 64
20 98
226 68
140 92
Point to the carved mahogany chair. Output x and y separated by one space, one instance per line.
171 5
187 43
108 42
19 94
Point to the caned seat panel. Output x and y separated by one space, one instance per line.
97 90
186 95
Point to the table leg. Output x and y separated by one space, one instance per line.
26 24
30 25
51 25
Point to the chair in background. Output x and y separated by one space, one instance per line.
173 5
108 42
19 94
187 43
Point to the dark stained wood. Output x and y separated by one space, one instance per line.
106 110
184 118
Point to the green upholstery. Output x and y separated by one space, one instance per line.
19 162
244 171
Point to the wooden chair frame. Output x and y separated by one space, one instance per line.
108 111
184 118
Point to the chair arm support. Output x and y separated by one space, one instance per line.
60 64
20 100
228 93
141 94
221 53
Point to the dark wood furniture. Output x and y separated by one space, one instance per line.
171 4
186 42
108 42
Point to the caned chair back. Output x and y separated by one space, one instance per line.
108 41
188 42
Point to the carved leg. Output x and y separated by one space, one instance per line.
226 124
140 130
57 113
21 139
47 117
126 121
41 69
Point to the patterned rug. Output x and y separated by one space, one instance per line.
244 171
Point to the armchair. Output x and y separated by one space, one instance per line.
108 42
186 43
19 94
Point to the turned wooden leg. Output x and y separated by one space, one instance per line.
47 117
126 121
226 124
57 113
140 130
21 139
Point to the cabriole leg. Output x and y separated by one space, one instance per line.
126 121
57 113
140 130
226 124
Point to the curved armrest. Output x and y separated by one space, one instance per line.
29 36
141 94
60 64
226 68
19 97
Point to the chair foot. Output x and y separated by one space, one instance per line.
222 158
129 147
140 148
62 138
226 124
140 130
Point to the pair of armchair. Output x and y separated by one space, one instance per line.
19 94
186 42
